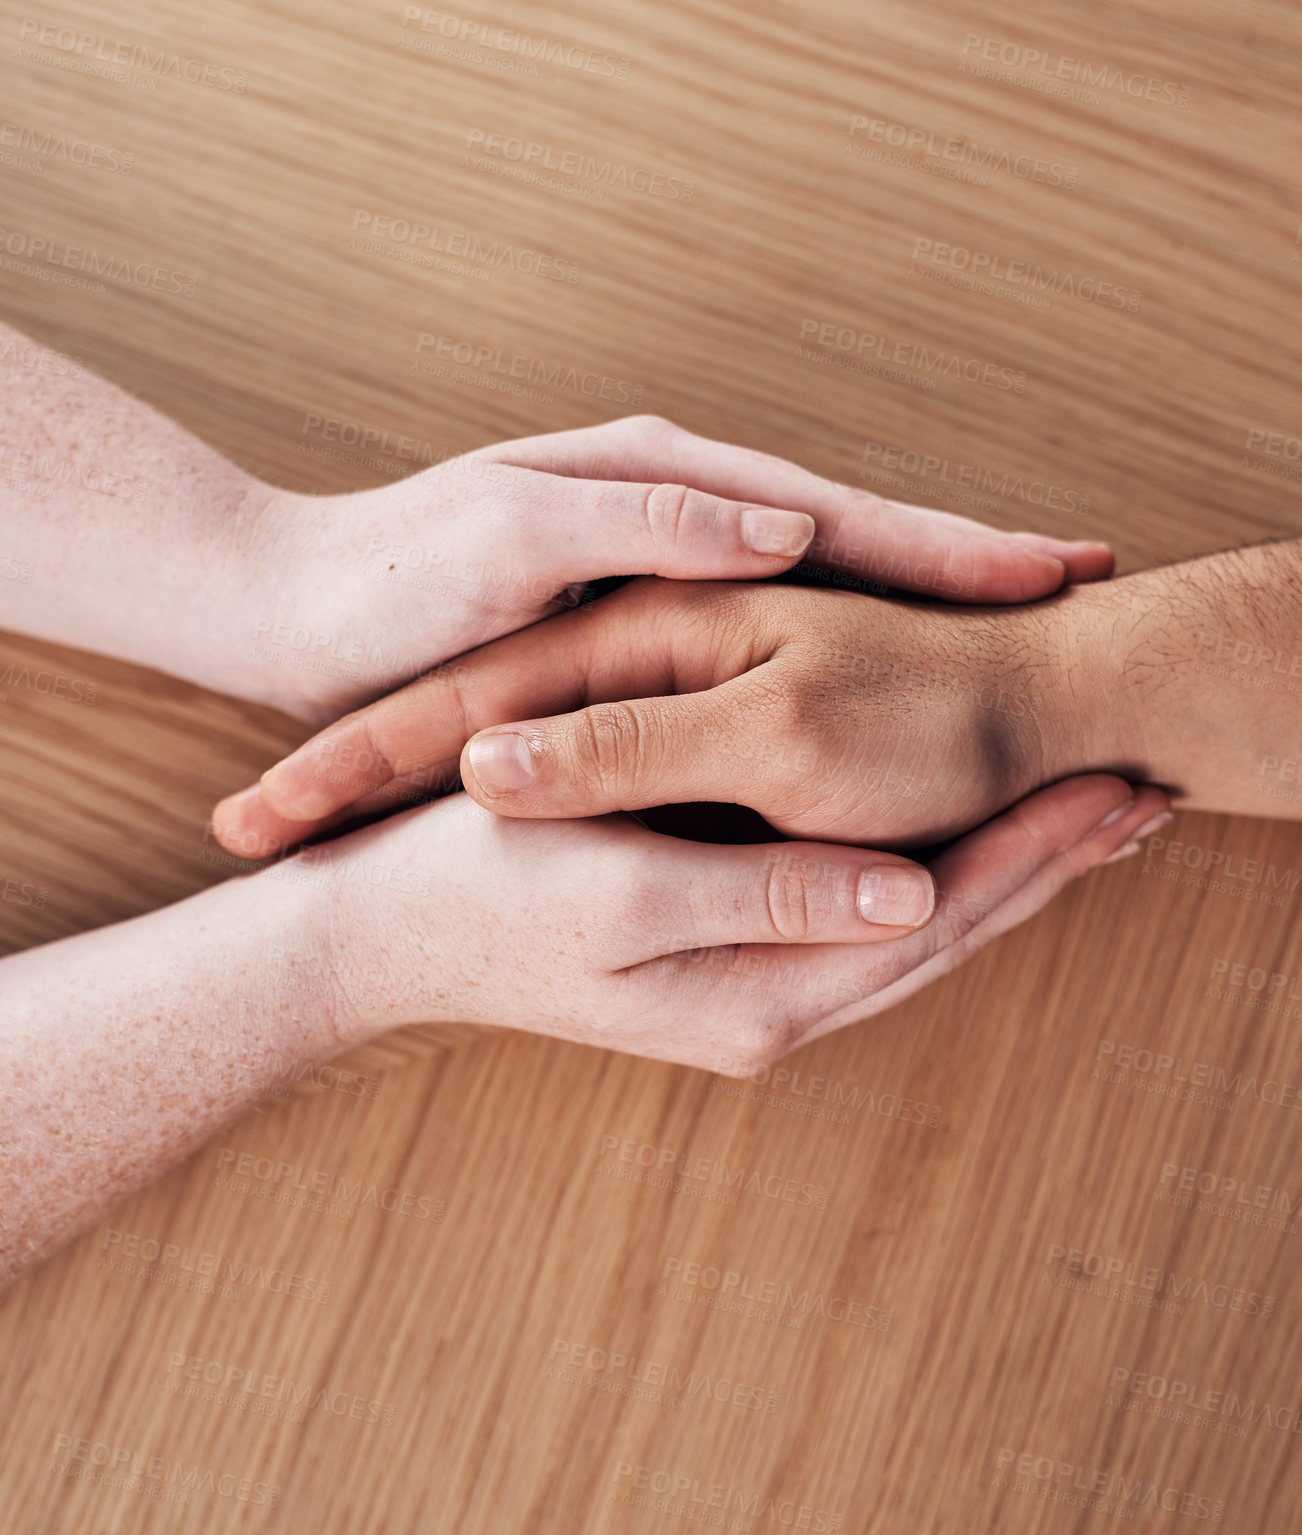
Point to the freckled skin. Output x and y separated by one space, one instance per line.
129 1047
125 1049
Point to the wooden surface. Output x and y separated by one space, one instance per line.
440 1385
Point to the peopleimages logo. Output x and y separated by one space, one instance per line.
680 1494
383 234
528 155
843 346
1275 453
729 1287
169 1480
664 1162
1138 1391
484 358
256 1391
496 38
33 253
1232 1199
205 1269
947 471
86 46
1182 1075
283 1180
56 146
956 150
1059 69
1023 274
1074 1484
1077 1263
1256 978
16 352
614 1370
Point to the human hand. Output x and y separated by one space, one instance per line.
383 584
835 716
169 555
603 932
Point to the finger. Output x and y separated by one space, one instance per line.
700 895
762 1000
915 548
618 528
987 883
245 824
635 641
1083 559
624 754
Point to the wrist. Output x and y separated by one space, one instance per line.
320 631
368 938
307 965
269 627
1102 668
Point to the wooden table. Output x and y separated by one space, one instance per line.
1007 1302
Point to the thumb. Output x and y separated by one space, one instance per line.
784 893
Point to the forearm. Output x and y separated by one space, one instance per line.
124 1049
122 532
1189 676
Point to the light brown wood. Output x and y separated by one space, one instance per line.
460 1326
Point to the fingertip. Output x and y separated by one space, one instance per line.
235 825
1088 561
1081 559
292 791
228 816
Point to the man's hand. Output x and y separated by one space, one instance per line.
835 716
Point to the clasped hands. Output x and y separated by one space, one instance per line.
857 726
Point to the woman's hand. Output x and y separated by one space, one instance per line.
380 585
594 931
134 538
603 932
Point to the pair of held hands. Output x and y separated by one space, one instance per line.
842 719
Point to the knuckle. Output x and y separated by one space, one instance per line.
371 754
651 428
786 709
613 743
664 510
640 902
790 899
756 1042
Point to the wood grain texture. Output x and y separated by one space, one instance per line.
436 1387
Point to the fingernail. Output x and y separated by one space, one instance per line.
767 531
895 896
502 762
1130 849
1157 822
1115 815
1048 562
